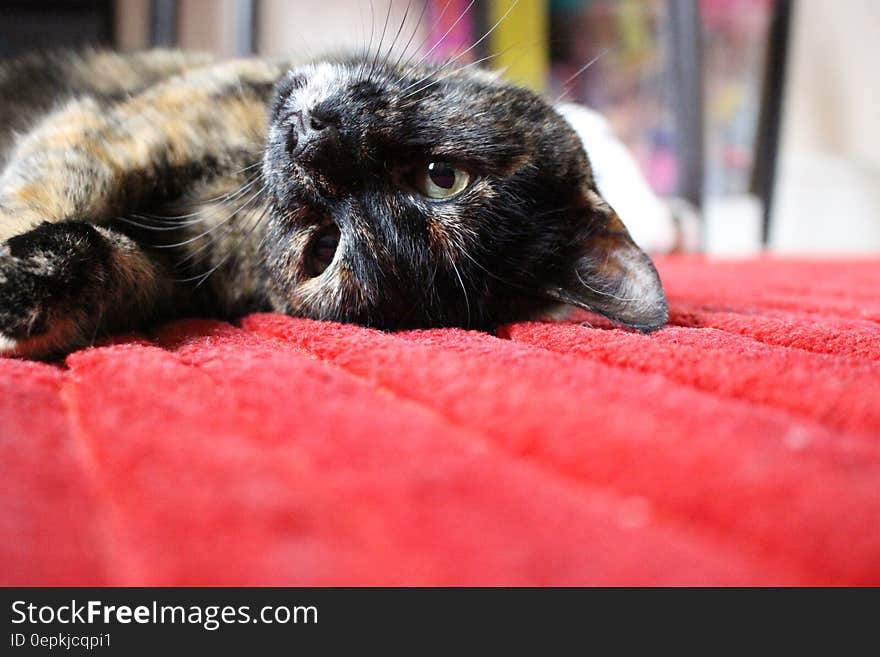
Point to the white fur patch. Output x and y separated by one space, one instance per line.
7 345
621 182
323 80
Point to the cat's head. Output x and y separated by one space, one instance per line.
432 197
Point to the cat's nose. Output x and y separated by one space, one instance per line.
314 139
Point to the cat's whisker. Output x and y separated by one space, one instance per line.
464 67
477 42
427 35
363 67
381 40
435 295
461 68
196 217
191 258
413 34
517 46
247 168
467 302
231 253
555 211
235 252
600 292
214 238
228 218
259 248
579 72
131 222
101 310
362 51
223 198
490 30
442 38
217 233
397 36
449 75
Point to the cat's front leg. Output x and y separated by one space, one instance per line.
63 285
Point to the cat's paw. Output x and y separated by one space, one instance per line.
25 326
7 344
41 283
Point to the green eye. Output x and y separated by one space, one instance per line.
441 180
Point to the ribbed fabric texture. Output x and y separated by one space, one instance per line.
740 445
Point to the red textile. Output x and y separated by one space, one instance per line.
740 445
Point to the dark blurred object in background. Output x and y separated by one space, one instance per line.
28 25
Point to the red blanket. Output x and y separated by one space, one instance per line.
740 445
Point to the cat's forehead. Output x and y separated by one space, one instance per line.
318 82
325 80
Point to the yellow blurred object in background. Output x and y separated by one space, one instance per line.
521 41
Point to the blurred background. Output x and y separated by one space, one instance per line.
759 118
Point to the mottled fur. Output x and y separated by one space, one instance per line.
147 186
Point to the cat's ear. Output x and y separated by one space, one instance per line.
610 275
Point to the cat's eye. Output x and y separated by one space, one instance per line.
442 180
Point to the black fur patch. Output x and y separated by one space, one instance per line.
47 274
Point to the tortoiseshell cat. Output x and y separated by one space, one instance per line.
142 187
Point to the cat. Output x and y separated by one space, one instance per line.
355 188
